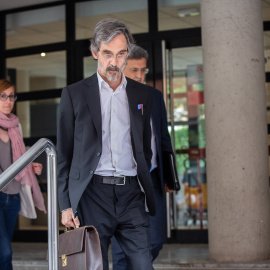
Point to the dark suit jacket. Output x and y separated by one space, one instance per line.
79 138
160 126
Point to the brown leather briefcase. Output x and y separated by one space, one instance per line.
79 249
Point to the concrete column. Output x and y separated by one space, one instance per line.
236 134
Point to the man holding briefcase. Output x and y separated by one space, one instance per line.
104 150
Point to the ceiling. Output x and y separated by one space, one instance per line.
11 4
22 27
51 31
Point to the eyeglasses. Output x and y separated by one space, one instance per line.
121 56
142 70
4 97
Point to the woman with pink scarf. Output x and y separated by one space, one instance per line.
23 192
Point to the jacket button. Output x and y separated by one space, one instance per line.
91 172
98 154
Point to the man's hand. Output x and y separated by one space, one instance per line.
68 219
167 189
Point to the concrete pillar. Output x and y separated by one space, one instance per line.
236 134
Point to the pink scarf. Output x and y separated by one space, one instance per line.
27 176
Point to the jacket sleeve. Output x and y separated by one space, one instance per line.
65 141
166 145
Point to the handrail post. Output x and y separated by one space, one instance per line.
52 209
14 169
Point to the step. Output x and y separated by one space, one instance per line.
32 256
43 265
30 265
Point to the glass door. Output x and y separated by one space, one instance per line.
184 98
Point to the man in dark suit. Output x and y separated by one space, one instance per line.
104 150
136 69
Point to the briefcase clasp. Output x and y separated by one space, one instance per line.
64 260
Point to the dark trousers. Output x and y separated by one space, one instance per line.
119 210
9 209
157 228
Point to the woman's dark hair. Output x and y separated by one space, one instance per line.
4 85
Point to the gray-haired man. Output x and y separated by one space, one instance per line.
104 150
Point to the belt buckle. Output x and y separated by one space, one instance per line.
124 181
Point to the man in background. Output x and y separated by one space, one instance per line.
136 69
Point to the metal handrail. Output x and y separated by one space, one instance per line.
9 174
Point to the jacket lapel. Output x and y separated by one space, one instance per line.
93 100
131 97
132 101
133 114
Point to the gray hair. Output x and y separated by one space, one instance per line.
106 30
137 53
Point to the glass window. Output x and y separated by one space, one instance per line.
175 15
267 84
267 50
38 118
30 114
34 72
266 10
133 13
89 66
46 25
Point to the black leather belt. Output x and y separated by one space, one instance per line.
111 180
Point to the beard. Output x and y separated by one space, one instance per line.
106 73
115 76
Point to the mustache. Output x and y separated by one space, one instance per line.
112 68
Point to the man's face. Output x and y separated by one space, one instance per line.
112 58
135 69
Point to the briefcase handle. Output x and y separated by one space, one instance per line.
68 229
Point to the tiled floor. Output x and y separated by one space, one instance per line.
31 256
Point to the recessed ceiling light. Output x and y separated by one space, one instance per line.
188 12
43 54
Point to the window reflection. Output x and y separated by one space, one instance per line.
267 50
38 118
133 13
46 25
33 72
89 66
172 15
186 95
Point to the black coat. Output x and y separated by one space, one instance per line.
79 138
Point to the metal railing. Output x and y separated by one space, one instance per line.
9 174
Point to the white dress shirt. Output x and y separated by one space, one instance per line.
117 154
